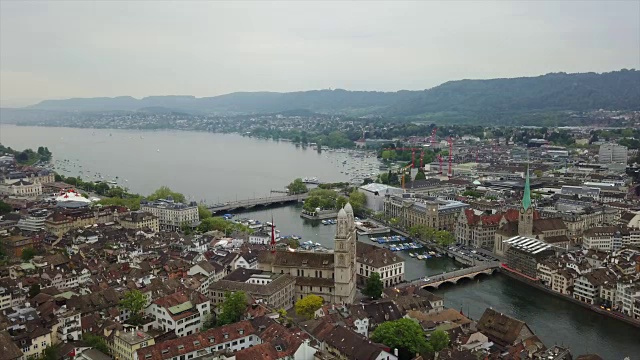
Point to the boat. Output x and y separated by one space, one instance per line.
420 257
325 222
412 254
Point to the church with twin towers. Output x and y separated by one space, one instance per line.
331 276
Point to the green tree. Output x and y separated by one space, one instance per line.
439 340
215 223
374 286
388 155
357 200
34 290
134 301
444 238
341 201
186 228
297 187
97 342
232 308
308 305
203 212
5 208
420 176
49 353
538 173
403 334
163 192
28 254
209 322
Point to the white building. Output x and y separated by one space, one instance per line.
69 326
21 189
34 221
612 154
172 215
375 194
179 312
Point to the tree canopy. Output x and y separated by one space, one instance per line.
203 212
439 340
133 301
5 208
163 192
217 223
232 308
374 286
308 305
358 200
28 254
297 187
96 341
405 335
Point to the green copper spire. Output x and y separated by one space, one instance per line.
526 198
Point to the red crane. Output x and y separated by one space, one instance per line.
450 140
413 154
433 137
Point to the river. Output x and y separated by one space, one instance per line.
217 167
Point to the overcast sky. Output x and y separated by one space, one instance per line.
54 49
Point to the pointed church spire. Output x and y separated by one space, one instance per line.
526 198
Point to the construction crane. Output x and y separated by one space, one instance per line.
450 172
440 159
433 137
402 173
413 154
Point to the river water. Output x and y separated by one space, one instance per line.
217 167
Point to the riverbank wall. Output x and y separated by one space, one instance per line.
596 309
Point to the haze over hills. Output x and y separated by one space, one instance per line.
469 100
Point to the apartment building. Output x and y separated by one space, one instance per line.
275 290
181 312
139 220
172 215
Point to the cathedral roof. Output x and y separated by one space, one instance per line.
342 214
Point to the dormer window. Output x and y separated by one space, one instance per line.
180 347
196 343
241 331
226 336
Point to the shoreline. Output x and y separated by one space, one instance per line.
595 309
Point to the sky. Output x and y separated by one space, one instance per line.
56 49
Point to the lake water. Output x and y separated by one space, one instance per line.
217 167
203 166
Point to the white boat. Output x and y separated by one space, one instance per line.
412 254
420 257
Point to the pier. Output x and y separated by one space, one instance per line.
452 277
258 202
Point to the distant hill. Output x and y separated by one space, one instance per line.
464 99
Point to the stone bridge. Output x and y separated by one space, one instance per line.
486 268
265 201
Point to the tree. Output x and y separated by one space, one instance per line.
34 290
374 286
214 223
308 305
164 192
444 238
185 227
5 208
341 201
96 342
403 334
420 176
297 187
203 212
357 200
28 254
439 340
232 308
538 173
134 301
209 322
49 353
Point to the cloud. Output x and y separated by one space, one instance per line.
62 49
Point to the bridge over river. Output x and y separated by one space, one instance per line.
257 202
486 268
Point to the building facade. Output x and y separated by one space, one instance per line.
437 214
171 215
139 220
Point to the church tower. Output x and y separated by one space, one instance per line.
525 221
345 257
